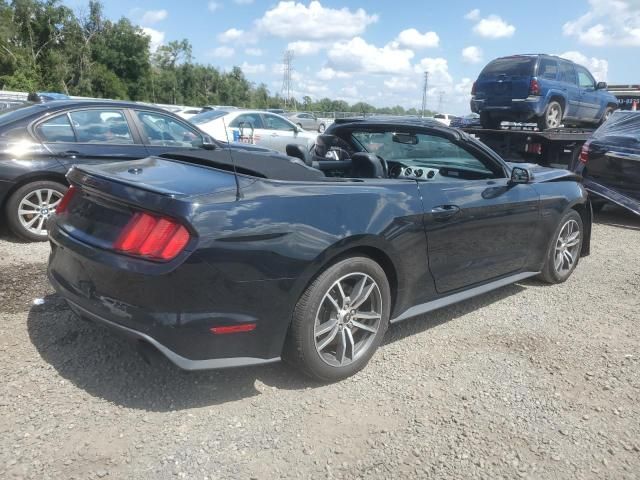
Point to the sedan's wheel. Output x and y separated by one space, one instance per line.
564 252
321 128
605 116
340 320
552 117
31 206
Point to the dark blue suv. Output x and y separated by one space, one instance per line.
546 89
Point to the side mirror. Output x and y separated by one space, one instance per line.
520 175
601 85
208 143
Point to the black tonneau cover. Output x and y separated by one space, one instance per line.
265 164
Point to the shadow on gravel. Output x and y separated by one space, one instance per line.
615 216
110 367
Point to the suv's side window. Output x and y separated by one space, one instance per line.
162 130
101 126
548 69
585 80
567 73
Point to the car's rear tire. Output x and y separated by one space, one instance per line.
564 249
605 116
552 116
487 121
321 128
30 206
332 335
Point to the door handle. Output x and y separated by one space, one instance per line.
444 212
70 154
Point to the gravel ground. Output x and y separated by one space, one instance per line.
530 381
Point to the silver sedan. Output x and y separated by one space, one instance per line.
308 121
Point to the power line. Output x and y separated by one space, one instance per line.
287 70
424 93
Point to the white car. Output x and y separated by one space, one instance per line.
444 118
254 127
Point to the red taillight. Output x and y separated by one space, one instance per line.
584 153
534 87
64 203
473 88
152 237
244 327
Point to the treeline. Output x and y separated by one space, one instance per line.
46 46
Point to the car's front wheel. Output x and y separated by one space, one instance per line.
605 116
340 320
564 250
552 116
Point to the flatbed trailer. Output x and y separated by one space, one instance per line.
558 147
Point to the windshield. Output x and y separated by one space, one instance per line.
207 116
419 150
511 66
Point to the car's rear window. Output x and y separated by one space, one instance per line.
512 66
18 113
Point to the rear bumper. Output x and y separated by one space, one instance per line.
172 311
517 109
178 360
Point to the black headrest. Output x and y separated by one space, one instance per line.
297 151
366 165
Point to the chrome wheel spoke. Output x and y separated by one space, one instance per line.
330 338
333 301
30 223
363 326
342 348
326 327
367 315
351 346
27 212
364 295
49 194
26 201
40 224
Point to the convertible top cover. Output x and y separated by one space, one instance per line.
624 125
264 164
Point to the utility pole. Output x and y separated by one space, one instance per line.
287 69
440 98
424 93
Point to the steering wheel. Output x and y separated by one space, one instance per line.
385 167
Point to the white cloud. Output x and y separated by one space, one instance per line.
473 14
438 69
157 38
400 84
472 54
213 6
412 38
327 73
153 16
356 55
222 52
598 67
230 35
252 69
607 23
351 92
254 52
290 19
304 47
494 27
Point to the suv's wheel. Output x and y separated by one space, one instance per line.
605 116
29 208
564 250
340 320
489 122
552 116
321 128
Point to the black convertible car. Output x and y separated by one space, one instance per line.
610 162
226 258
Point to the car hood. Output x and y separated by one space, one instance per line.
545 174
